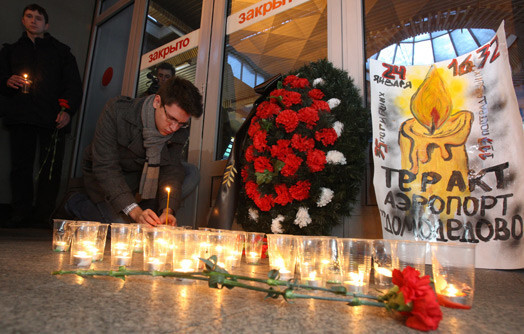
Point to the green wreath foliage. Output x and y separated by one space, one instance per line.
343 179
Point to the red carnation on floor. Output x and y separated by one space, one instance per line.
289 119
425 313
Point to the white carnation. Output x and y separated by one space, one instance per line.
335 158
253 214
326 195
338 127
302 219
317 82
276 224
333 103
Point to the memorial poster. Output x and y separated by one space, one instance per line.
448 148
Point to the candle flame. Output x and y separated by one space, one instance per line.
431 104
312 275
168 189
384 271
25 76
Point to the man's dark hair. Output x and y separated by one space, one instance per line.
166 66
41 10
184 94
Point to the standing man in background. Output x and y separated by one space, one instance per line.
35 72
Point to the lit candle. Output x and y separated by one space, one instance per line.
154 264
382 275
138 248
60 246
27 82
122 256
452 297
82 259
356 282
185 266
253 258
123 260
313 280
434 140
167 206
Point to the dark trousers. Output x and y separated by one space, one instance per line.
25 139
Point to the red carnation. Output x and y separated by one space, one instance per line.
262 164
281 150
244 173
320 105
309 116
264 203
289 79
295 82
326 136
291 164
425 313
64 104
251 190
300 191
288 98
316 160
250 153
254 127
315 94
267 109
283 195
260 141
289 119
301 143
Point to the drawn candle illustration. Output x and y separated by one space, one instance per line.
432 143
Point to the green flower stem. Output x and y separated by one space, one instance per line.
353 301
232 281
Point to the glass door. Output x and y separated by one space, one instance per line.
171 47
260 40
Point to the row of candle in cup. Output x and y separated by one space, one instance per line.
327 261
162 246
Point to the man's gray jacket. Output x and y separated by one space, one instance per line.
114 160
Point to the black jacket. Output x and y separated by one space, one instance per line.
54 72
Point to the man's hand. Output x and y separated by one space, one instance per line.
146 216
15 81
62 119
171 220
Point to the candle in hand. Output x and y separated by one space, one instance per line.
27 82
167 206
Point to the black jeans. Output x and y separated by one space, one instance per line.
25 139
